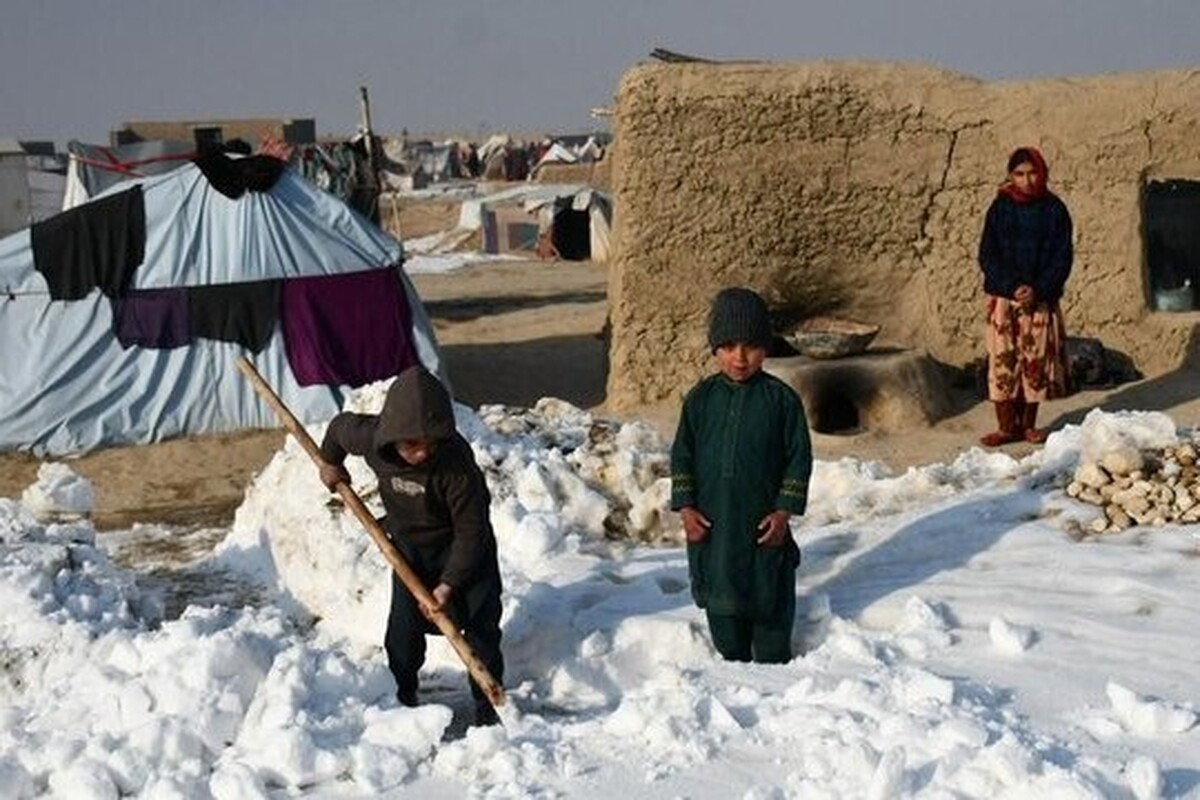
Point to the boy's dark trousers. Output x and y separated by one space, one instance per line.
766 641
475 609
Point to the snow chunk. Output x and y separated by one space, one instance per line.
1145 778
1147 716
1009 638
59 493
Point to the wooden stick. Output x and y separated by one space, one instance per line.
493 690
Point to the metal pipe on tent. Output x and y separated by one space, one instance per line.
410 579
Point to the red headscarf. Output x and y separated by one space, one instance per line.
1033 156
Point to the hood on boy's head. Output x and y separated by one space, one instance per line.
417 407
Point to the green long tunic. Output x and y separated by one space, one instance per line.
742 450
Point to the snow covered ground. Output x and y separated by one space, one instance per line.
420 261
960 639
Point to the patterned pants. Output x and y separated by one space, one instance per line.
1027 356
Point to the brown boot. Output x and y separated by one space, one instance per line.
1029 424
1010 425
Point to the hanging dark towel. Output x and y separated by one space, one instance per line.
155 318
261 172
348 329
96 245
233 177
245 313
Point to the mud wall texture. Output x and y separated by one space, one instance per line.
859 190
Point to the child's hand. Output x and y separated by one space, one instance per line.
441 598
774 527
332 475
1025 297
695 525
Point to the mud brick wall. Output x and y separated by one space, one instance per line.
859 190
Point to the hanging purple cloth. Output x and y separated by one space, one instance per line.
155 318
348 329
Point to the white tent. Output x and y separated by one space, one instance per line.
556 154
68 383
564 153
576 218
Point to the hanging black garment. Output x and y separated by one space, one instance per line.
245 313
95 245
233 177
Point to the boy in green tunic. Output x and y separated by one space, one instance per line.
740 466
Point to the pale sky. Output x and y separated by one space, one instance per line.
75 69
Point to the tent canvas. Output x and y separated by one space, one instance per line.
576 219
95 168
68 385
510 230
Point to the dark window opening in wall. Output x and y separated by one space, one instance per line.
833 412
208 139
1172 235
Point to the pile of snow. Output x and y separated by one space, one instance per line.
959 643
58 494
563 485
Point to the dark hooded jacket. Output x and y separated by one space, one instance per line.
439 505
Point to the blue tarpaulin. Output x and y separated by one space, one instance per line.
66 383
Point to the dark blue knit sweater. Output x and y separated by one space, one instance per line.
1026 243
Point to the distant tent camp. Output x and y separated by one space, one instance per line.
123 318
437 162
560 220
570 151
555 154
491 156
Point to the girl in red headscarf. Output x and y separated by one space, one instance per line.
1025 254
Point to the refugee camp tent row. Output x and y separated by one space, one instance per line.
572 222
566 150
122 319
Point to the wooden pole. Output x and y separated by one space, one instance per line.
410 579
364 108
372 184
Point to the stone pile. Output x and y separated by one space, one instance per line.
1141 487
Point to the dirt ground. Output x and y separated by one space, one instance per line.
512 333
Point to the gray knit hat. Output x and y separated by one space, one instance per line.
739 315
